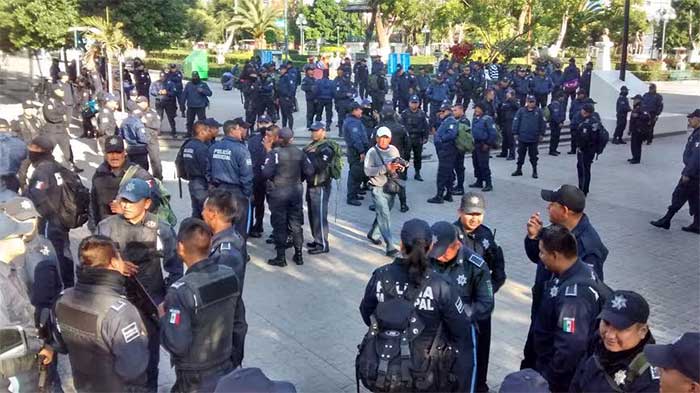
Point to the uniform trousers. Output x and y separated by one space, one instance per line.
415 149
286 214
326 105
636 145
258 203
201 114
686 192
529 148
620 126
287 111
317 202
584 160
198 194
480 160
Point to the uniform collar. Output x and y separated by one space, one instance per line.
219 237
91 278
582 226
201 265
232 139
575 269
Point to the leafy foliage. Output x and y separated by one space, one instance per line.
109 36
326 19
35 23
255 18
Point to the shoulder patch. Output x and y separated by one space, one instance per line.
131 332
571 290
459 305
655 374
151 224
177 284
118 305
477 260
225 246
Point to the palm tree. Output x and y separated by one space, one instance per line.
109 37
255 18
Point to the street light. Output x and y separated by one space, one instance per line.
666 15
301 23
426 32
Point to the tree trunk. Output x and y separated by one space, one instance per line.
562 31
382 32
370 28
229 40
523 17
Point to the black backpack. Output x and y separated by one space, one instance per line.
73 199
387 359
180 161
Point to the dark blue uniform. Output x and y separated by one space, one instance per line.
575 119
263 96
541 86
319 156
423 82
557 113
521 85
529 127
586 136
407 84
484 133
689 190
357 144
640 127
176 79
459 161
229 242
416 124
654 104
286 93
622 108
361 77
195 154
231 169
438 304
196 98
308 85
437 93
325 91
446 150
344 92
257 156
563 324
506 114
465 89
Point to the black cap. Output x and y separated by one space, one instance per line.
44 142
625 308
682 355
695 113
285 133
567 195
473 202
399 67
318 125
240 122
264 119
114 144
416 229
445 234
530 98
524 381
354 105
414 98
211 122
445 106
639 97
624 88
588 107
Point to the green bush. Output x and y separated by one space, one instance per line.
422 60
332 49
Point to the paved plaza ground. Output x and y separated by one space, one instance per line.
304 323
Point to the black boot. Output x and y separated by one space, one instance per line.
477 184
280 260
458 191
534 172
436 199
663 222
298 258
695 226
417 176
404 208
489 187
448 197
518 171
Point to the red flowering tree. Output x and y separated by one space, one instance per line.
460 51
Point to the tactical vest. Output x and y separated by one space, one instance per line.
106 188
289 163
80 317
413 121
216 292
29 128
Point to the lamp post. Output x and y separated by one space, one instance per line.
301 23
426 32
666 15
625 40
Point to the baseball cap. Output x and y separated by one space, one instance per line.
173 65
241 123
44 142
524 381
416 229
318 125
445 106
211 122
366 103
353 105
414 98
399 67
624 88
473 202
114 144
286 133
134 190
251 380
10 227
682 355
570 196
264 119
625 308
695 113
588 107
445 234
530 98
19 208
383 131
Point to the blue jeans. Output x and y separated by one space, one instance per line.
383 203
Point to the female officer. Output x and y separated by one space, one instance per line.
436 305
617 362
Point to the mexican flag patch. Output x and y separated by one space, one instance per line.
569 325
174 317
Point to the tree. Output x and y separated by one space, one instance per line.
35 24
109 37
324 18
200 25
255 18
685 29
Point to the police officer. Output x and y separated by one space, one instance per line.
283 167
568 310
468 273
478 237
175 76
149 243
42 189
286 89
151 121
28 125
688 187
436 93
377 87
106 124
320 153
324 95
231 169
110 354
506 114
557 115
308 85
57 116
463 121
423 82
142 79
436 301
220 211
199 313
521 84
541 86
398 75
257 155
164 93
566 208
528 128
136 137
357 143
446 150
195 154
640 128
678 363
451 80
343 95
616 361
370 118
109 176
407 85
247 82
196 98
465 87
361 77
587 140
484 133
14 153
622 108
575 115
653 103
416 123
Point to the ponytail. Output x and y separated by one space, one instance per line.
417 260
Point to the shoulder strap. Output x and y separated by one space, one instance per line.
129 174
638 366
380 155
613 386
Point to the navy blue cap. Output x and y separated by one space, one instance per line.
114 144
110 97
318 125
211 122
682 355
264 119
567 195
44 142
367 102
625 308
353 105
530 97
414 98
524 381
624 88
285 133
135 190
12 228
588 108
445 106
399 67
445 234
251 380
695 113
414 230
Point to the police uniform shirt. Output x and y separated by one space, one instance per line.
15 306
284 166
691 155
230 243
563 324
43 186
151 120
55 114
195 155
482 241
318 156
41 272
231 165
106 123
415 122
